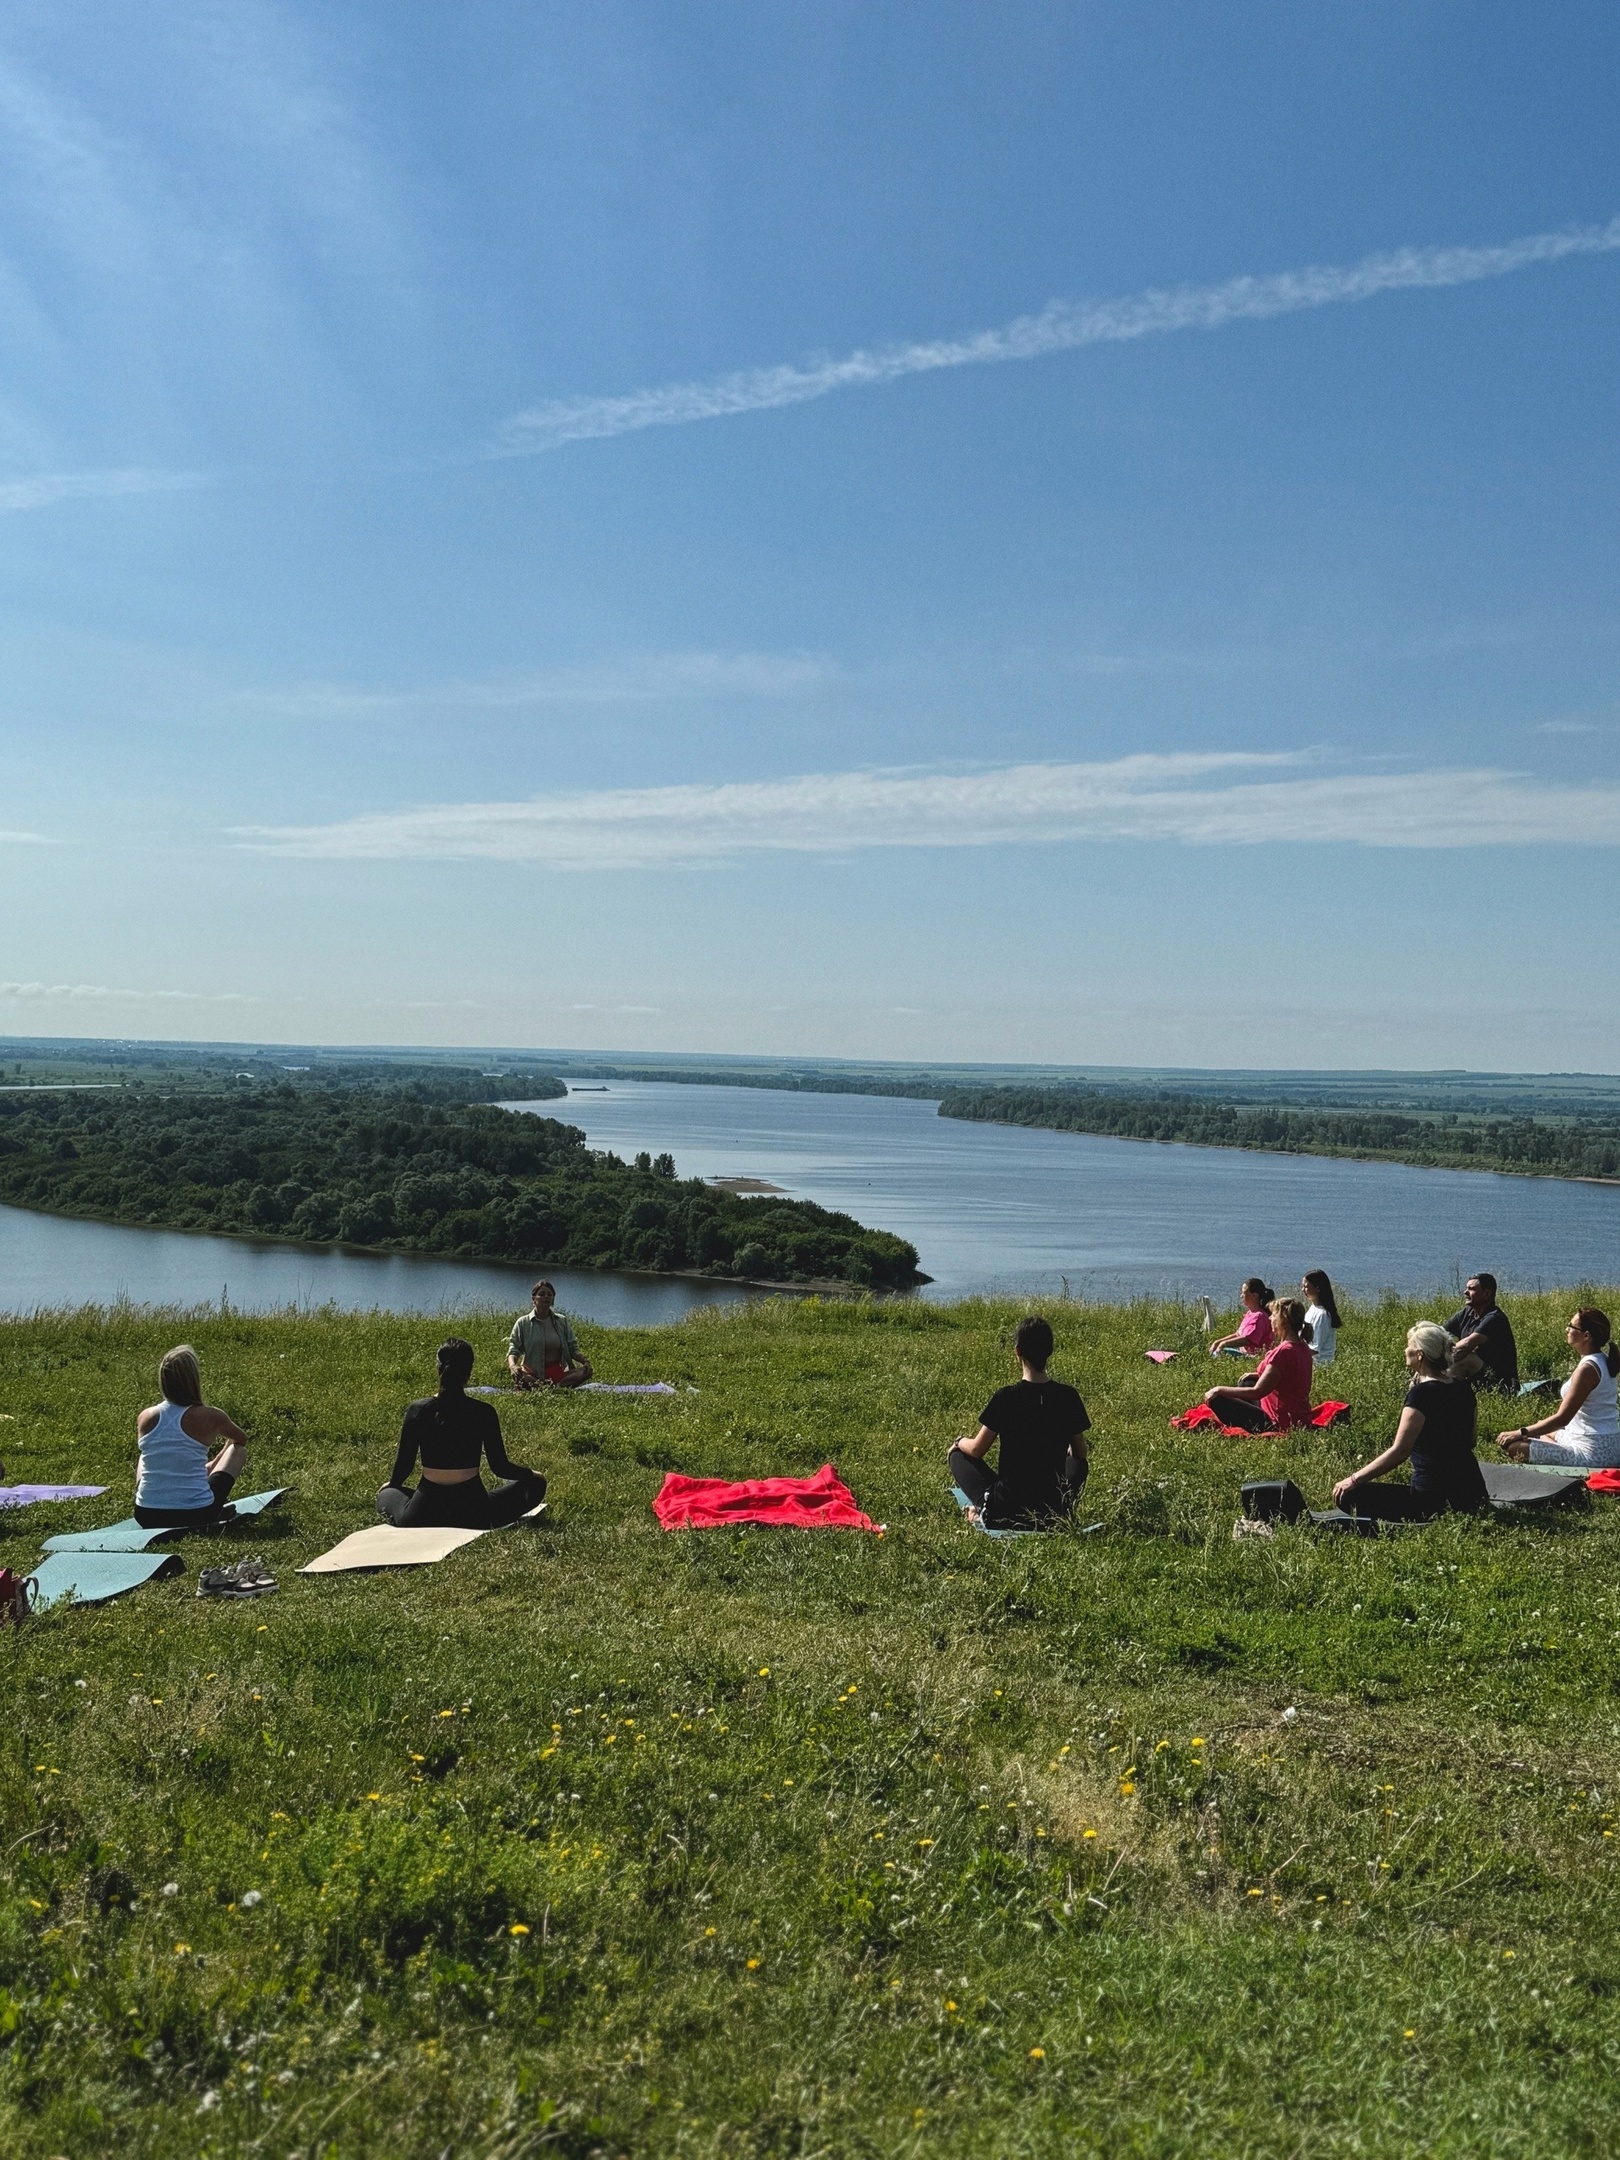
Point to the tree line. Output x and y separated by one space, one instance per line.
1448 1140
410 1170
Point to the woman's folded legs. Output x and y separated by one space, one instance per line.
466 1505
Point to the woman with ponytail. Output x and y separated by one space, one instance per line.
1587 1415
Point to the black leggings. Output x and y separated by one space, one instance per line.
1379 1502
1238 1410
192 1518
983 1489
469 1505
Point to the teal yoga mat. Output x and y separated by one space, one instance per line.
88 1578
129 1537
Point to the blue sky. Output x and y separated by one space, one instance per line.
508 535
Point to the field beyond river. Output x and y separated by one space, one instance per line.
600 1841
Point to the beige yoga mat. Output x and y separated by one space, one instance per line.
385 1545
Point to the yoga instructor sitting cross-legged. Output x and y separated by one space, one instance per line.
1041 1425
452 1433
543 1352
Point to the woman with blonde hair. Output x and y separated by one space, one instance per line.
1277 1396
179 1487
1436 1434
1588 1416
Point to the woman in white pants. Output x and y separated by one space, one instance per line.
1587 1420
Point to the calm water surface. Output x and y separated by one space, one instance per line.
990 1208
999 1208
48 1260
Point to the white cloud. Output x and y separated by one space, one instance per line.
1061 327
36 491
640 678
36 993
1213 798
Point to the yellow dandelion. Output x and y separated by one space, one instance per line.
1088 1833
764 1672
517 1928
753 1964
1037 2054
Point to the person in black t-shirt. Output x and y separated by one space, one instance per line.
1436 1433
452 1434
1041 1426
1483 1336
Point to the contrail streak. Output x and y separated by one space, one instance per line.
1062 327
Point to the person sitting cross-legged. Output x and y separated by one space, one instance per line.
1436 1433
1278 1396
1041 1426
543 1351
1587 1420
180 1486
452 1433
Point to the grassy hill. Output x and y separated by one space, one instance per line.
598 1841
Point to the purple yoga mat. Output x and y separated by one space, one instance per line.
26 1495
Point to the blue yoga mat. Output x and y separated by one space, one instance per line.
964 1503
88 1578
129 1537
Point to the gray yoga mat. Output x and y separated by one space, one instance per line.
89 1578
128 1536
1527 1485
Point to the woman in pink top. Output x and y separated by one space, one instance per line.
1253 1334
1278 1396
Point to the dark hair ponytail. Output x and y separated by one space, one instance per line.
1257 1287
1594 1325
1317 1283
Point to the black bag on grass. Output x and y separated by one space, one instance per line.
1273 1499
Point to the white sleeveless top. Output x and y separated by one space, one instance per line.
1593 1433
174 1467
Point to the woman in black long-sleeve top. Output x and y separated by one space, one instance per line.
452 1434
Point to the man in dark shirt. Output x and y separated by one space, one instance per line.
1482 1333
1041 1426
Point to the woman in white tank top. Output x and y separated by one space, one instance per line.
1587 1419
178 1486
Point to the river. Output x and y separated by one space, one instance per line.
991 1208
1009 1210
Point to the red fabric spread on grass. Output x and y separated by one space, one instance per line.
822 1502
1200 1418
1604 1481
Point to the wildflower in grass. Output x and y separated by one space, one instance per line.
753 1964
1037 2054
1126 1788
182 1949
1507 1953
1088 1833
1410 2033
764 1672
517 1928
1197 1739
949 2004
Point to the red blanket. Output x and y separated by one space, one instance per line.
822 1502
1200 1418
1604 1481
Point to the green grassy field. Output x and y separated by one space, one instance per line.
594 1840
